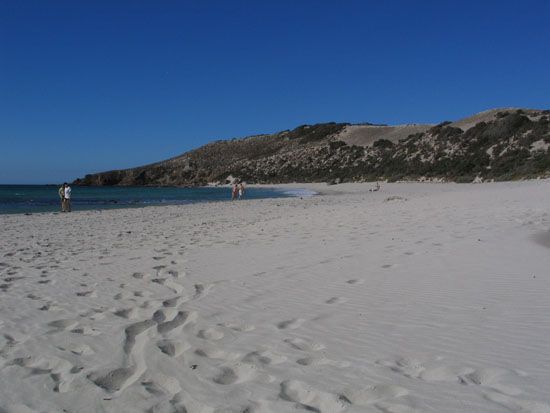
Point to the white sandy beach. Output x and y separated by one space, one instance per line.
417 298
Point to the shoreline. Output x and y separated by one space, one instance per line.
36 200
305 190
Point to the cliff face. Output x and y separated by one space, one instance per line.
499 144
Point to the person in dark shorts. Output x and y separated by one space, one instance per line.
61 193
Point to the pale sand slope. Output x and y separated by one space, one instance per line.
366 135
437 302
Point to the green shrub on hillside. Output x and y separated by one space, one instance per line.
383 144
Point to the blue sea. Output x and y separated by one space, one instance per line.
44 198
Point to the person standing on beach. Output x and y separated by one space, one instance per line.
241 190
67 194
234 191
61 193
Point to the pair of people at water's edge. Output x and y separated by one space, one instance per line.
237 191
65 196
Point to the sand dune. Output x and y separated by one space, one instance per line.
417 298
366 135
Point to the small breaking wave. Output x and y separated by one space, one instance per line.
300 192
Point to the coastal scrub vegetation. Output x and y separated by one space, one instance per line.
515 145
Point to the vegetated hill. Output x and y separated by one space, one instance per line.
489 116
499 144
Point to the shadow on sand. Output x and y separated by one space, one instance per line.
542 238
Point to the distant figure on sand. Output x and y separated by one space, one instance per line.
241 190
234 192
376 188
61 193
67 199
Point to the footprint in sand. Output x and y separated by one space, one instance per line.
290 324
336 300
514 404
34 297
124 295
128 313
58 369
173 302
114 380
78 349
238 327
372 394
355 281
435 371
181 318
146 305
216 354
62 325
175 287
321 361
237 373
265 357
309 398
173 348
119 378
160 384
173 273
182 402
160 315
491 377
50 306
304 345
12 279
210 334
408 367
85 331
132 331
91 294
201 289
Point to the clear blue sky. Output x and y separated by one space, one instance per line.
87 86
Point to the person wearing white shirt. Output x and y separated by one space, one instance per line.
67 197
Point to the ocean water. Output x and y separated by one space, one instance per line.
44 198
